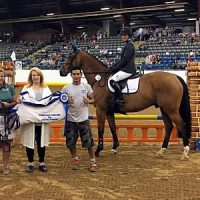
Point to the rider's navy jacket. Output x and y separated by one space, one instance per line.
127 61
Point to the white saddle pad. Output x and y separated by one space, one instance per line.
132 86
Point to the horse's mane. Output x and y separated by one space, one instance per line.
95 59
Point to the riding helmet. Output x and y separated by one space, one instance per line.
125 31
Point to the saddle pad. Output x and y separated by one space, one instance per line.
132 84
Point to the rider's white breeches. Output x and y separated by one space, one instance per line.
120 75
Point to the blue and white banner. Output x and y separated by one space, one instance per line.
48 109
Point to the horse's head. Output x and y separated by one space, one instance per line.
69 65
88 63
71 61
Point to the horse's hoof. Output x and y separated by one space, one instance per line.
184 158
115 145
159 154
99 148
113 151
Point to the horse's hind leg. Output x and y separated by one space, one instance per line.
168 129
181 128
112 125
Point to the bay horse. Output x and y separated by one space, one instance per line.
167 91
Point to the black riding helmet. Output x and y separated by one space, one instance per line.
125 31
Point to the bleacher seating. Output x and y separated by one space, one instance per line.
22 49
44 56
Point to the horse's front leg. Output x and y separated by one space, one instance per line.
112 125
101 123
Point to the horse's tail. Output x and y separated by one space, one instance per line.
184 109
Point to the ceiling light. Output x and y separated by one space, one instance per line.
50 14
179 10
105 8
191 19
132 23
80 27
169 2
117 16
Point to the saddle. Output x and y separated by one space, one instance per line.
128 85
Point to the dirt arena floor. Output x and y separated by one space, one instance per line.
133 174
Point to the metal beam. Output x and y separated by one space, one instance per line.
97 13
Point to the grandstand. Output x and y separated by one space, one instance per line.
39 31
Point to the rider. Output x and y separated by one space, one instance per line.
125 67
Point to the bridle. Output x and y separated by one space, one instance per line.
101 82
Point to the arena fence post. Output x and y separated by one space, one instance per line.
193 80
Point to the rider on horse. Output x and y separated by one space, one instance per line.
125 67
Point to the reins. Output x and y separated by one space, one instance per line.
73 59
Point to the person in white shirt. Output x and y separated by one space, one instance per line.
77 123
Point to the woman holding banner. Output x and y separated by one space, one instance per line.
38 132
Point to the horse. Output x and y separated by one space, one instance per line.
165 90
